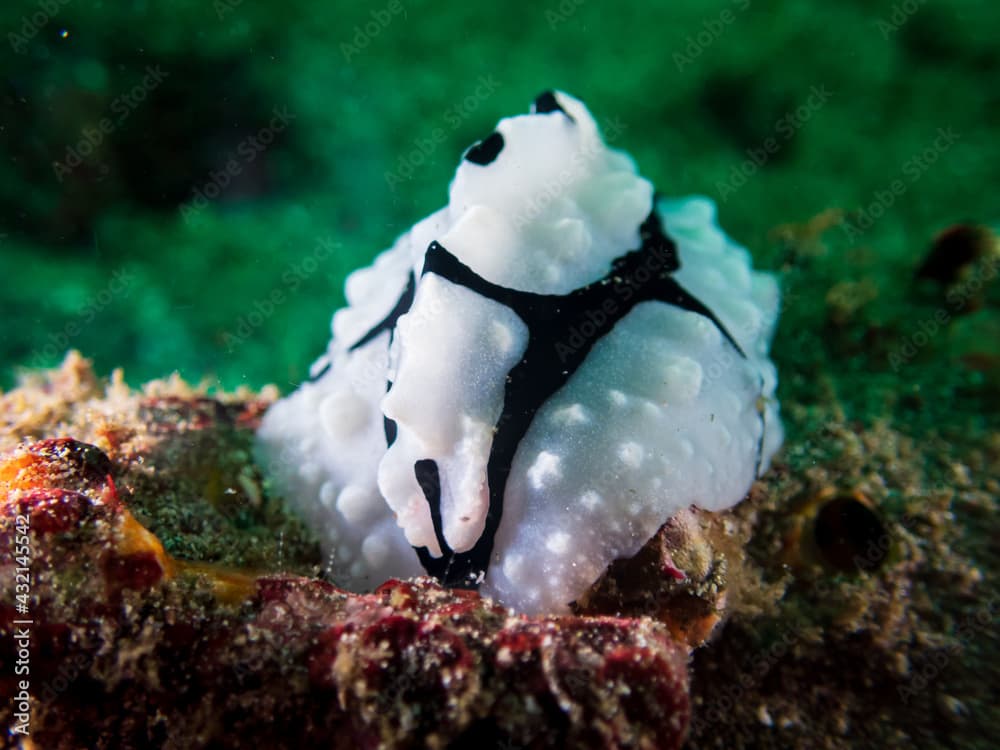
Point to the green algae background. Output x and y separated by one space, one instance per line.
185 185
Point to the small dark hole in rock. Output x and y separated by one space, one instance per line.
954 250
850 536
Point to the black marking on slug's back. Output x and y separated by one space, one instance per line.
543 369
390 429
429 479
388 323
485 151
546 103
389 425
322 371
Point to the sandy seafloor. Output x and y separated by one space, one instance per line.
838 141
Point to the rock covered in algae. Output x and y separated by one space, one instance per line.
132 646
871 621
849 601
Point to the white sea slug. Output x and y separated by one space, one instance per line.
533 379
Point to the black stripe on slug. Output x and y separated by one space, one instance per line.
546 103
322 371
485 151
388 323
544 368
389 425
429 479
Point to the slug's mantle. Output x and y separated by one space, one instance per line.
533 379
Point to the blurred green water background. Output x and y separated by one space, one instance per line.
185 184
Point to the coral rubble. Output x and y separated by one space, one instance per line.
133 646
850 600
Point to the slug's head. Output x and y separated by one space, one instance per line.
545 186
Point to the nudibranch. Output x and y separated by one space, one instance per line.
533 379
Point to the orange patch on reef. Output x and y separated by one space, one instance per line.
23 472
136 539
139 556
691 620
229 585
